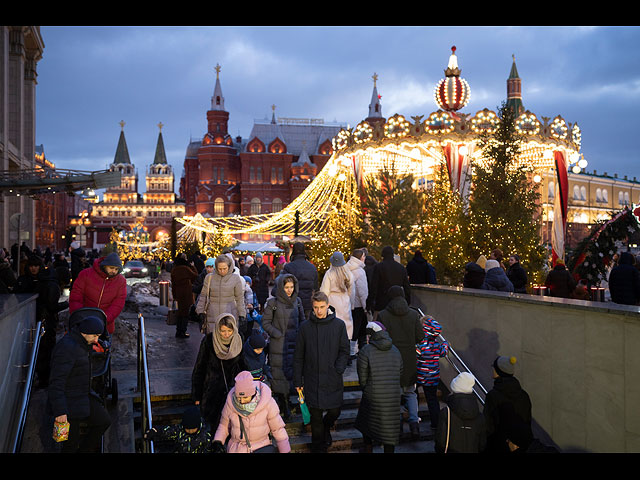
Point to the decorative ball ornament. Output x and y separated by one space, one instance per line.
452 92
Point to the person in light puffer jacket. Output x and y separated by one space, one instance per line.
250 414
496 278
359 299
101 286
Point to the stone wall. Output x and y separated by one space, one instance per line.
578 360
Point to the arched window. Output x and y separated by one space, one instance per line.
583 193
256 206
598 195
576 192
620 198
218 207
626 198
551 193
605 195
276 205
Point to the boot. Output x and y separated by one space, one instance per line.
414 428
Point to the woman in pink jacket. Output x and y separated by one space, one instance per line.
249 415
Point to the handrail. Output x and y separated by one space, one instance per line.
26 396
465 368
143 385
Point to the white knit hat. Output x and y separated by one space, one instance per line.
463 383
491 264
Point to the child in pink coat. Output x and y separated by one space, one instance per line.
249 415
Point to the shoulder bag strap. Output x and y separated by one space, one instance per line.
446 447
206 306
243 433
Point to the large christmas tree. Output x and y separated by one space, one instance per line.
503 199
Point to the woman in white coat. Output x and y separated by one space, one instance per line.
338 285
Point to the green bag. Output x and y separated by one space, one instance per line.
306 416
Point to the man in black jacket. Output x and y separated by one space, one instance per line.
260 275
305 272
624 281
320 359
386 274
420 271
559 281
517 275
70 396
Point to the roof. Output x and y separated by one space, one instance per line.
297 137
122 152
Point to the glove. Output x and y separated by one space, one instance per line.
150 434
218 447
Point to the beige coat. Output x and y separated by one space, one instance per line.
221 294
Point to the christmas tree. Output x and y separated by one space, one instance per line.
503 199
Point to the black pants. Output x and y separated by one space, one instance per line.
386 448
321 423
431 394
97 422
359 326
181 324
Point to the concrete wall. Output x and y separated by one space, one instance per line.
579 361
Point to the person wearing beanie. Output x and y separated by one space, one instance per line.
386 274
70 396
429 352
461 426
33 274
305 272
495 278
379 369
283 314
255 357
360 295
250 418
209 266
474 273
260 274
78 260
338 285
405 329
507 405
192 435
101 286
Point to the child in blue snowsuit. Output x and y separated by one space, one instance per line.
429 352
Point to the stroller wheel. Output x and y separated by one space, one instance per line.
114 391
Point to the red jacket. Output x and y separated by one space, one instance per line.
93 288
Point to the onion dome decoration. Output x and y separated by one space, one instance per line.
452 92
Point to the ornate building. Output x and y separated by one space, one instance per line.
226 176
122 207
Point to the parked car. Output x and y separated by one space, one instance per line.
135 268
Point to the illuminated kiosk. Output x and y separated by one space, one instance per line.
415 146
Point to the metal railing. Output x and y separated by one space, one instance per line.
26 397
459 366
143 385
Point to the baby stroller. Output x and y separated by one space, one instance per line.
101 381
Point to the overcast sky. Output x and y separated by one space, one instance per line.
91 78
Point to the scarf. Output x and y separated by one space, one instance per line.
247 409
226 349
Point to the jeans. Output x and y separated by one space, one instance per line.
410 402
320 426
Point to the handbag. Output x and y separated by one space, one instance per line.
172 315
306 416
265 449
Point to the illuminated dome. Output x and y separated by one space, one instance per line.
452 92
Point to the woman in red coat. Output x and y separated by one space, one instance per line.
101 287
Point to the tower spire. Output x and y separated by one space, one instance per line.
122 152
514 90
217 101
161 156
375 107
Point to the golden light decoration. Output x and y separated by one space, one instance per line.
397 127
439 122
363 132
528 123
559 128
576 135
341 140
485 122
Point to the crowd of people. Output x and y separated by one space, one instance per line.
270 334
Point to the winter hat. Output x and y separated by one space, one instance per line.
430 326
337 259
244 385
482 261
504 366
395 291
191 417
256 340
248 260
491 264
91 325
211 262
112 260
75 245
298 248
258 255
375 326
35 261
463 383
247 279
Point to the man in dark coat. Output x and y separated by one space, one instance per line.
78 260
369 264
420 271
507 406
70 397
183 275
386 274
260 275
30 280
405 329
379 372
517 275
559 281
7 275
320 359
306 272
624 281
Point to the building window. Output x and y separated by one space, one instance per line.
221 175
252 174
598 195
273 176
280 175
605 195
259 175
218 207
215 175
551 192
583 193
576 192
256 206
276 205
